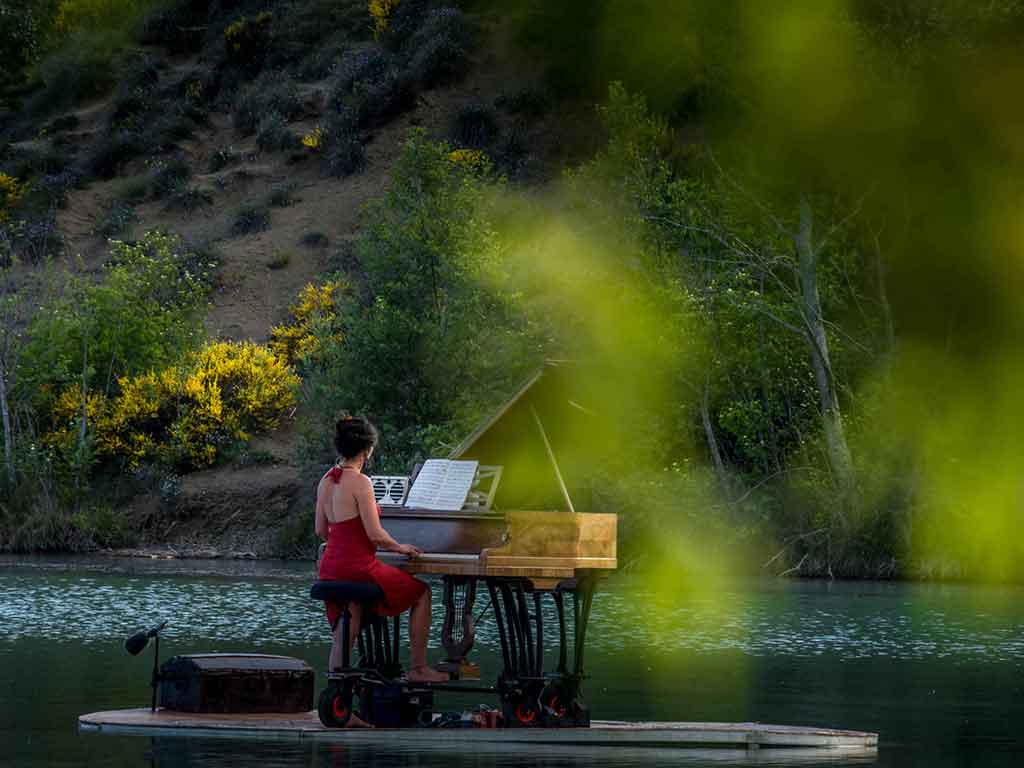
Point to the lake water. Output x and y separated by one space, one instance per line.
937 670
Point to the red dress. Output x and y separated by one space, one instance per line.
351 556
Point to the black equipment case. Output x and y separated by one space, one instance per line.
236 682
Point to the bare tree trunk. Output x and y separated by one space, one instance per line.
883 299
832 420
709 434
5 414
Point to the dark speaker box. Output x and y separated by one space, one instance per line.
236 682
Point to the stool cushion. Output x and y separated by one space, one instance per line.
346 591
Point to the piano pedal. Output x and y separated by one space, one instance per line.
460 670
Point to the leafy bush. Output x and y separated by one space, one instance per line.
437 304
281 196
118 219
474 126
167 176
438 52
179 27
113 151
33 240
250 218
222 158
190 199
80 70
54 187
527 103
279 260
272 133
343 152
371 86
314 240
10 193
147 311
247 40
132 188
271 92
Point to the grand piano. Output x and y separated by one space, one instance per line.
519 536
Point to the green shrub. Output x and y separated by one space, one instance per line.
314 240
282 196
145 312
435 301
527 103
132 189
223 158
179 28
279 260
250 218
272 133
104 527
247 40
438 52
117 221
271 92
33 240
370 85
113 151
82 69
167 176
190 199
474 126
343 152
61 124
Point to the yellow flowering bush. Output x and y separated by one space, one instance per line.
66 415
247 37
380 11
314 140
10 193
297 340
469 158
187 414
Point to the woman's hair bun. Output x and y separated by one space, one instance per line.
353 435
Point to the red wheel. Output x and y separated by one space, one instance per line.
525 713
335 705
339 708
555 706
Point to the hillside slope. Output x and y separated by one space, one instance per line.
305 218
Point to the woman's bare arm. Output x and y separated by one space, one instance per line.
323 497
367 506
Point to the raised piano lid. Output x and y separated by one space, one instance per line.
529 505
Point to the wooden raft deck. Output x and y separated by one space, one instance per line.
601 732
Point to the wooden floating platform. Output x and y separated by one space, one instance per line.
610 733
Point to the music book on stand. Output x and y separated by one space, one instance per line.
442 485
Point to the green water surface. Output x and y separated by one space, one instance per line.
935 669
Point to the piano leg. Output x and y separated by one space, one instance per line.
538 614
563 641
502 638
459 630
524 627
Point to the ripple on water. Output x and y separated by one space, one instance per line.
94 608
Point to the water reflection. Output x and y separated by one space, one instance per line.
215 753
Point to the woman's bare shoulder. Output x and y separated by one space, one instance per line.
361 482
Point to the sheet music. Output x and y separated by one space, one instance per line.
442 485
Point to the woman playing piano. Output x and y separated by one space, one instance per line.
348 518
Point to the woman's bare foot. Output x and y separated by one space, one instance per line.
426 674
355 721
